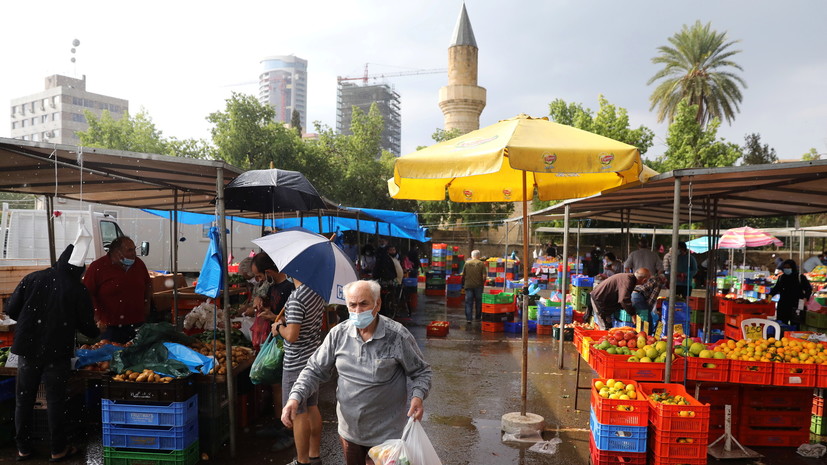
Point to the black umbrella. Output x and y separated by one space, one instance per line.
270 191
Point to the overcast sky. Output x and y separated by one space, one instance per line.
181 59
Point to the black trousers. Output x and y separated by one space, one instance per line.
54 375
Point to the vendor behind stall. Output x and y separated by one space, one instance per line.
121 291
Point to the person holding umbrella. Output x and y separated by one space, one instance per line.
301 329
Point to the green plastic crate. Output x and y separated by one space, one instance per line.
817 320
697 317
818 425
821 301
115 456
501 298
532 312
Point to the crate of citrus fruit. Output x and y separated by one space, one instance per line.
619 402
672 409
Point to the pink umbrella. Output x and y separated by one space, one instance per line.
739 238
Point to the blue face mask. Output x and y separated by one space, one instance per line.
127 261
361 320
787 271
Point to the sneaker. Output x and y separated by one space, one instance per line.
316 461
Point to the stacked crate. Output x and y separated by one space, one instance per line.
453 291
435 278
496 272
697 309
549 315
818 422
774 416
735 312
150 422
678 434
680 321
497 309
718 396
580 290
618 428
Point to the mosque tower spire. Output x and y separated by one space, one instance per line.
462 100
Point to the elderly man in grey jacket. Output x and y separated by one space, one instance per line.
375 358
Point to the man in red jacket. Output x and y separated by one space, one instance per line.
121 291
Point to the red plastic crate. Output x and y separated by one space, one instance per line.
699 303
775 418
794 374
746 372
6 338
707 369
604 457
821 376
632 412
545 329
718 395
773 437
435 292
734 333
777 397
655 460
695 418
729 307
617 366
667 444
437 329
818 406
580 333
498 308
490 327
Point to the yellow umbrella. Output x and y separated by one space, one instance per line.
498 163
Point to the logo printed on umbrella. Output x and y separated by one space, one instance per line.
606 160
340 291
475 142
468 193
507 194
548 160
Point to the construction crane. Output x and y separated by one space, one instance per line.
364 78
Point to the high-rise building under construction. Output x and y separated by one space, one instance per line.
351 95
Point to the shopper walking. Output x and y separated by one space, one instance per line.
791 287
473 281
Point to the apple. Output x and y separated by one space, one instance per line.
622 343
631 344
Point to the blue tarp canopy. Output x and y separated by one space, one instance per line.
699 245
366 220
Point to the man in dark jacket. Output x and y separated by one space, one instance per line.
49 306
790 286
615 293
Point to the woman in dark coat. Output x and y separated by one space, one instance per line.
790 286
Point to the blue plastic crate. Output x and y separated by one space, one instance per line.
685 326
134 414
453 287
409 282
715 336
172 438
511 284
7 389
681 312
582 281
553 312
617 438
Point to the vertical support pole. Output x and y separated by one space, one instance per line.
225 300
673 278
173 238
564 285
50 227
524 370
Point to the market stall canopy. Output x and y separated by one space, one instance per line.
370 221
782 189
114 177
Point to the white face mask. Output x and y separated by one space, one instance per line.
252 281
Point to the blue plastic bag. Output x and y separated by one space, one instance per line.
196 362
211 279
88 356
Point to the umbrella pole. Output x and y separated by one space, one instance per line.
225 300
673 279
173 237
563 284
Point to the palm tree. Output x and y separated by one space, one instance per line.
697 67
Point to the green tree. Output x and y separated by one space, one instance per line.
610 121
812 154
359 169
697 66
690 145
246 135
296 122
138 134
755 153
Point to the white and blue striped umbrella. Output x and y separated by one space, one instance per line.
312 259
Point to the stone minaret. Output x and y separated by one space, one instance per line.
462 100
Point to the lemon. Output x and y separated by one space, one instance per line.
619 385
599 385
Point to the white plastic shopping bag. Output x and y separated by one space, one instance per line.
390 452
419 447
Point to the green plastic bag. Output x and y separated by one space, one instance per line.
267 366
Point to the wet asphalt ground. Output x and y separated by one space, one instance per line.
476 380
